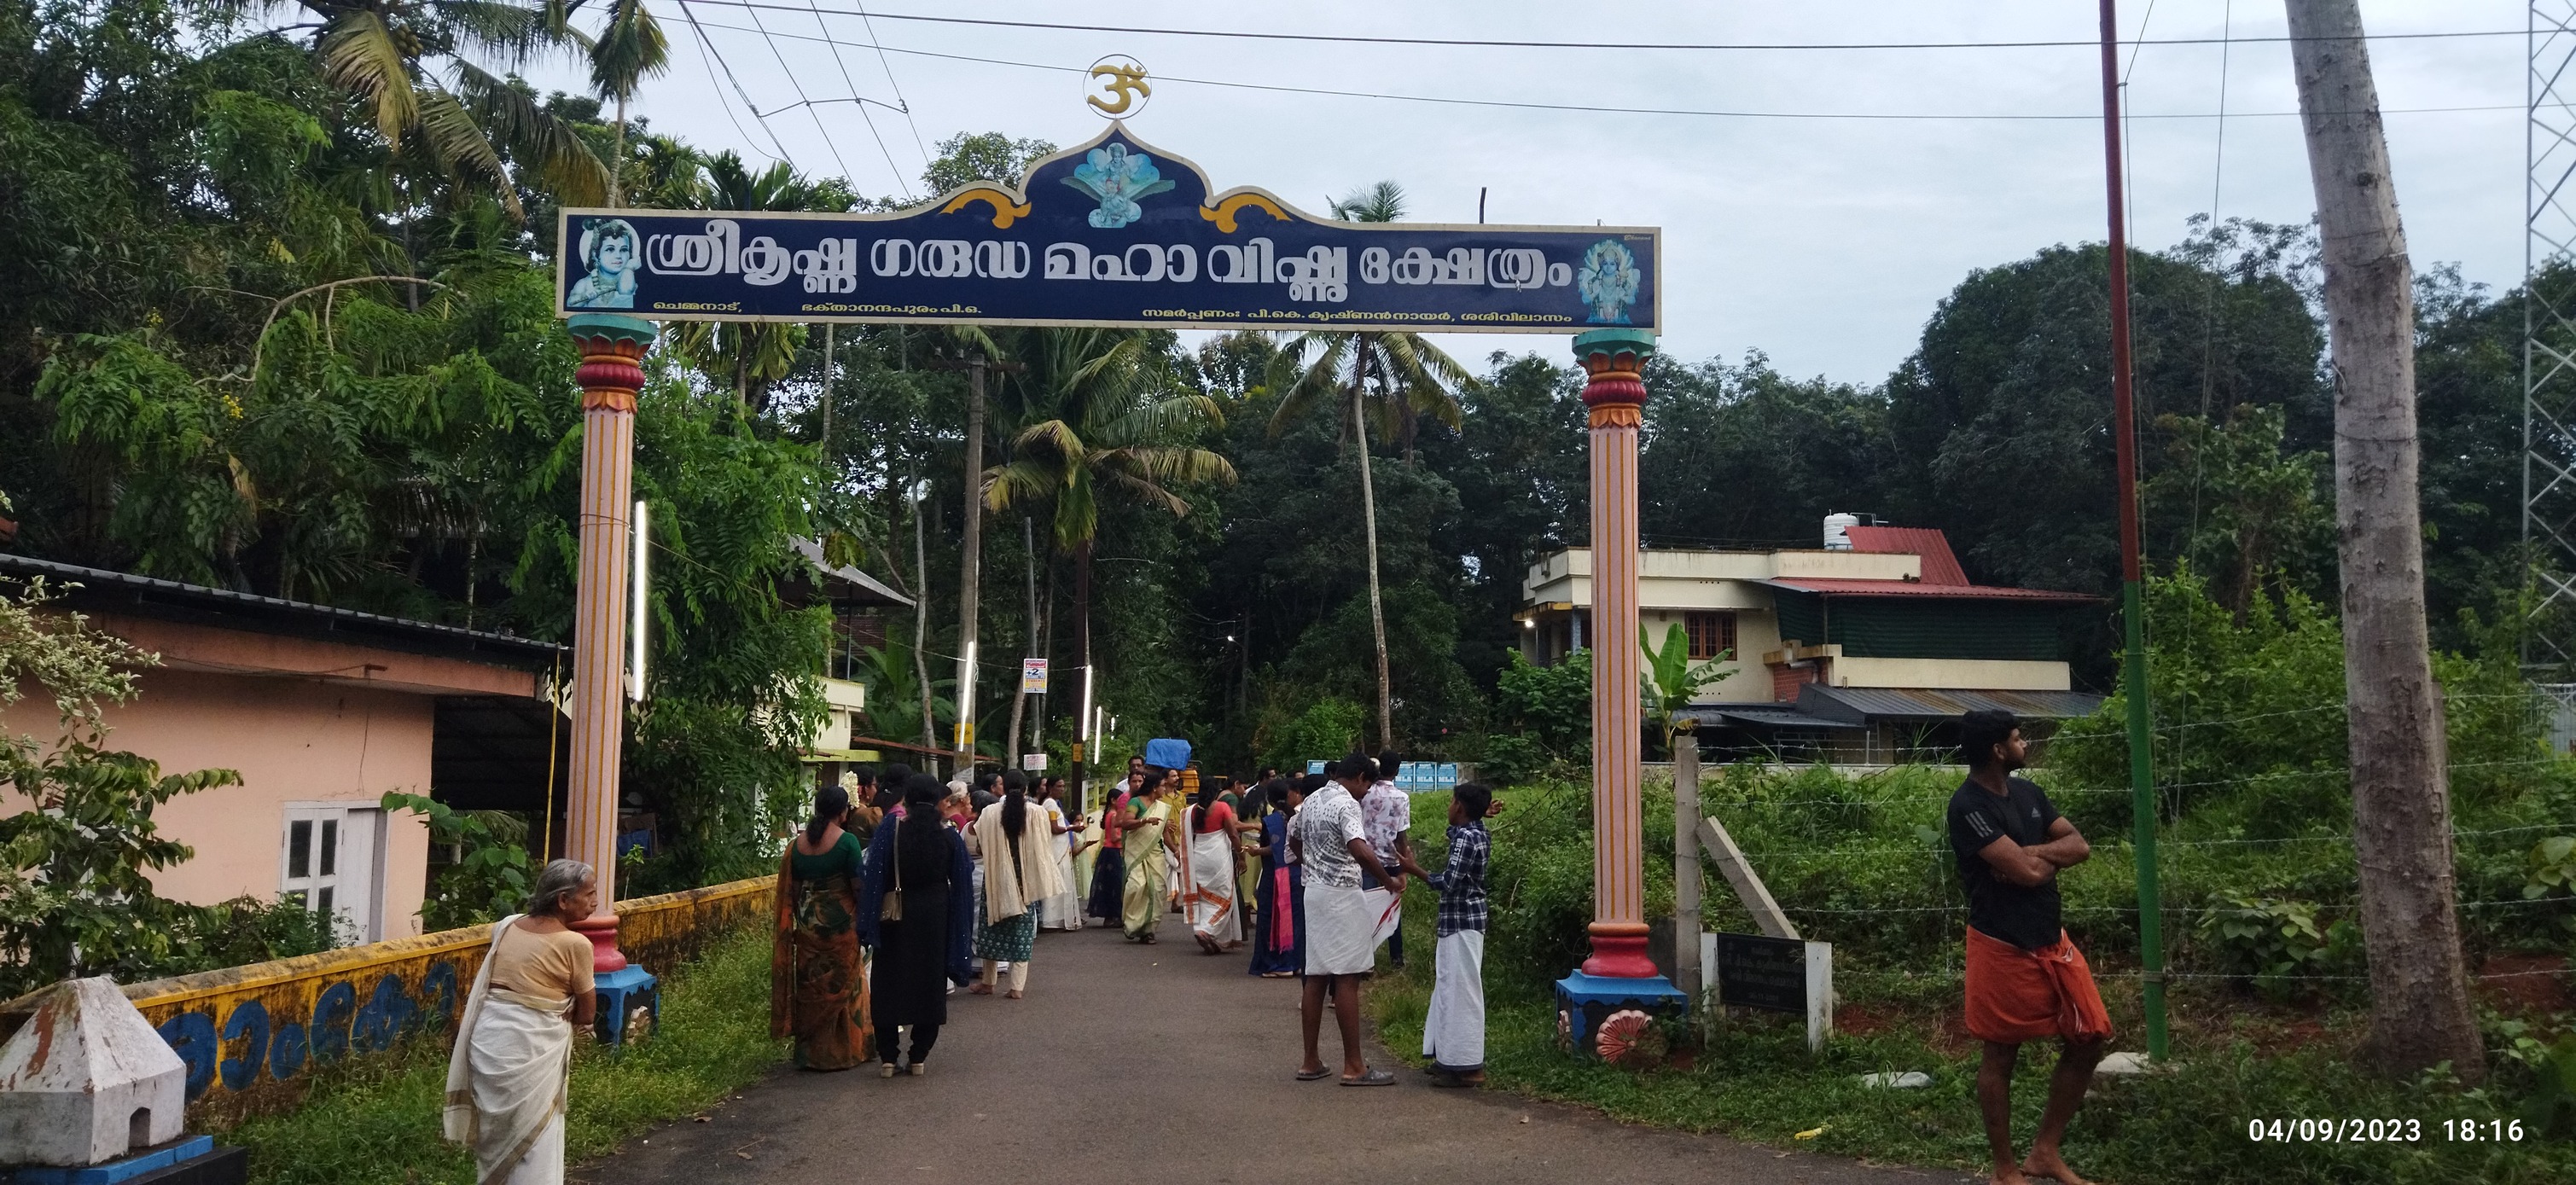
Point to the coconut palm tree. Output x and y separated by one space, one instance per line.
1398 376
392 54
755 353
1114 419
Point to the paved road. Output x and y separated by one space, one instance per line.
1043 1089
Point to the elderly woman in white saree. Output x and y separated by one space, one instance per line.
506 1082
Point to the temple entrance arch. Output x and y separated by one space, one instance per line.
1117 233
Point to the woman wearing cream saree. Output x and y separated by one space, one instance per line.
1148 824
507 1080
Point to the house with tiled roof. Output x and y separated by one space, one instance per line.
1864 650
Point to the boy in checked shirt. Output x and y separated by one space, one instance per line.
1453 1034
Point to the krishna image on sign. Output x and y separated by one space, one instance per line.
1117 179
1608 282
610 249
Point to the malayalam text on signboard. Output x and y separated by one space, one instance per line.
1114 232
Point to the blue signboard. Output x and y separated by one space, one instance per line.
1114 232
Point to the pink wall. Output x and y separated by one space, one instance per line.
292 741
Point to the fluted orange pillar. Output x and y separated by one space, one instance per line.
612 354
1616 398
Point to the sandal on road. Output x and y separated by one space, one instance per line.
1311 1075
1372 1078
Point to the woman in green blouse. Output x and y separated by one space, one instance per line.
817 968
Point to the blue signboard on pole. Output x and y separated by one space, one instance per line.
1114 232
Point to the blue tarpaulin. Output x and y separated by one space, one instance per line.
1167 752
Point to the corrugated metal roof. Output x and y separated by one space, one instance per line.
1761 716
144 593
1914 703
1940 566
1834 587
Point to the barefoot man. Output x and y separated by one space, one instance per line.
2026 980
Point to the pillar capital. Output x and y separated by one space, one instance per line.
1616 361
612 356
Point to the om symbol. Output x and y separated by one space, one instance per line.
1123 78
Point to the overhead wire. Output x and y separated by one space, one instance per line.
707 49
1493 43
1603 109
903 104
864 117
799 85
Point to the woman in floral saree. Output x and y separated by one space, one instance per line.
817 971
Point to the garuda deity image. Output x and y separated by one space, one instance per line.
1117 179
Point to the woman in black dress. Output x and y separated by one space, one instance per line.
922 863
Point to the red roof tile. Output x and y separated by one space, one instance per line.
1910 588
1939 565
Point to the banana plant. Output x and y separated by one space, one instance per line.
1670 682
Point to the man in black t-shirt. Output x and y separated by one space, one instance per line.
2026 980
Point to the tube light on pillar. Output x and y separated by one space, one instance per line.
966 703
643 601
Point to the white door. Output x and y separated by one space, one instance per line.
328 862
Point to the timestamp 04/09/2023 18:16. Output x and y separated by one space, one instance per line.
2383 1131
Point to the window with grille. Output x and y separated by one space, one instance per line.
1711 634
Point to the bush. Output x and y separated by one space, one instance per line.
489 879
1327 729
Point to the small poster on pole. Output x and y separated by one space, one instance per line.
1033 762
1033 676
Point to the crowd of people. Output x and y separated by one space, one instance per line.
902 890
899 884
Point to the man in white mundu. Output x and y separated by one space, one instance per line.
1342 924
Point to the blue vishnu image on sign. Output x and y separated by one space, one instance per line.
1608 282
1110 232
609 253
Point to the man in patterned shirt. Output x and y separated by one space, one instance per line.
1386 813
1453 1034
1341 928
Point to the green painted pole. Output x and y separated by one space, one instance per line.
2133 664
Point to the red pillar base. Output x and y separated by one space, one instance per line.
601 930
1619 952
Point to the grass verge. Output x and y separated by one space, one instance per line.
377 1119
1752 1079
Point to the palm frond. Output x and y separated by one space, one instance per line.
462 147
359 52
533 135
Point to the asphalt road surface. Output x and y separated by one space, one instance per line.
1157 1065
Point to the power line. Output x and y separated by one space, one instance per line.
706 49
1477 43
799 84
1906 116
869 24
854 98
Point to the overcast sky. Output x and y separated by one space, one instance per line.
1824 243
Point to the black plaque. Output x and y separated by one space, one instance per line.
1758 972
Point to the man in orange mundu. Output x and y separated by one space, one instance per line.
2026 980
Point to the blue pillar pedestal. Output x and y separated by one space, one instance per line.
1599 1018
630 1004
188 1160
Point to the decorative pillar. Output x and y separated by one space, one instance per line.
1605 1008
612 354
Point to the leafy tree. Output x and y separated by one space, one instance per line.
1542 717
989 157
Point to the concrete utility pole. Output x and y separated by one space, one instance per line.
1687 972
970 565
2401 802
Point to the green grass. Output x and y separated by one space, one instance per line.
377 1119
1754 1080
